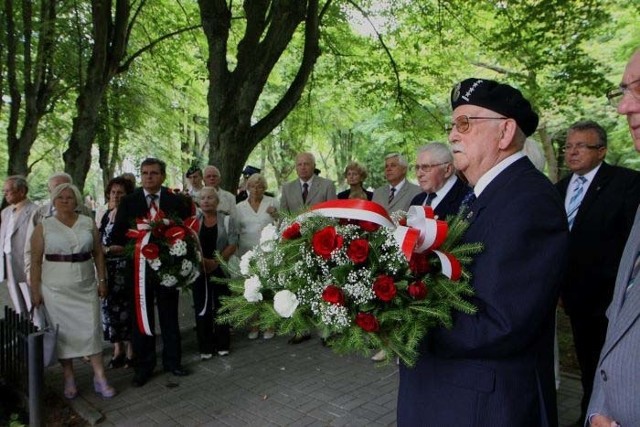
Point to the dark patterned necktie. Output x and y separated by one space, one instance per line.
392 194
153 206
429 199
468 200
305 192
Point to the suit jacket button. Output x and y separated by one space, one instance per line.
603 375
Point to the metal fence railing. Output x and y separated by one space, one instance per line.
21 360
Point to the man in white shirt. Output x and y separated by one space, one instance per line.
212 178
398 193
308 189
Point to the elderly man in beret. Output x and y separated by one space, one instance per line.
495 367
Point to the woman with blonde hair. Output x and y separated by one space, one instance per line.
355 175
66 256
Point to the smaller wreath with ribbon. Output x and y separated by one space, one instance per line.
169 247
364 280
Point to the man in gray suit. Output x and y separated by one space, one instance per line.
616 391
13 234
308 189
397 195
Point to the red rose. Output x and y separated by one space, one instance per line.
326 241
150 251
367 321
358 251
403 221
292 232
417 290
384 288
333 295
369 226
175 233
419 263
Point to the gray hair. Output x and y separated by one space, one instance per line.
306 154
19 183
256 178
402 160
59 176
60 188
440 152
211 190
586 125
210 167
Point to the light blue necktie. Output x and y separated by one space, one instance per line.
576 199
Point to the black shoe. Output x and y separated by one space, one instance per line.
140 379
297 339
179 372
116 362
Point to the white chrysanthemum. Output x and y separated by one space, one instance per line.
154 263
244 263
168 280
285 303
186 267
179 248
252 288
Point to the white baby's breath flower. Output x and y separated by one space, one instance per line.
252 288
244 263
179 248
168 280
285 303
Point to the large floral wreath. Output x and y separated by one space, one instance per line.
364 280
170 247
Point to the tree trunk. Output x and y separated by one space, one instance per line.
232 95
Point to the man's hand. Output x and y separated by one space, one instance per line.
603 421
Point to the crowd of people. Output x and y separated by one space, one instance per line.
576 242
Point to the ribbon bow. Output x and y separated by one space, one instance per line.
422 232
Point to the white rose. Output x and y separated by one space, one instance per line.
252 288
244 263
285 303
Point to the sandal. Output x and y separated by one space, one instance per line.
116 362
103 389
70 389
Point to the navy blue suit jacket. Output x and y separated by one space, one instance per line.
450 204
495 368
597 239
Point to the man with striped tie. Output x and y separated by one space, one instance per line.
601 202
616 388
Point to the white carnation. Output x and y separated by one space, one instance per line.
186 267
244 263
168 280
154 263
179 248
268 237
252 288
285 303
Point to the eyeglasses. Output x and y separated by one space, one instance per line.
427 168
461 123
615 95
581 146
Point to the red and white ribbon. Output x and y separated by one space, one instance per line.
422 232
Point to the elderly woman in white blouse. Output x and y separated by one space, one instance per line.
253 214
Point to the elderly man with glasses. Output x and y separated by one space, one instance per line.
615 400
601 202
442 189
495 367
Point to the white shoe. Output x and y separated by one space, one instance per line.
253 335
223 353
206 356
379 356
268 335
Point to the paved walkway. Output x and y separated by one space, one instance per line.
261 383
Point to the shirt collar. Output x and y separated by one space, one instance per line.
490 175
398 186
589 175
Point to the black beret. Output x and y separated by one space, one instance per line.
250 170
192 170
498 97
